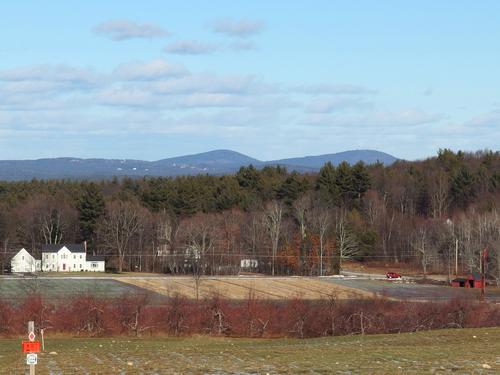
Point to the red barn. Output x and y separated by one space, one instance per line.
474 280
459 282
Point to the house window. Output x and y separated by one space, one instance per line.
74 256
80 257
53 256
94 265
81 265
22 257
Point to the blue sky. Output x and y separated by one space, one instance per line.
271 79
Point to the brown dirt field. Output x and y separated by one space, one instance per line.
274 288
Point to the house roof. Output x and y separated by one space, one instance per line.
36 257
54 248
95 258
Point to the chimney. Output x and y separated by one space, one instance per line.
85 246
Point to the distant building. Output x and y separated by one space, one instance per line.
474 280
95 263
249 263
59 258
24 262
65 258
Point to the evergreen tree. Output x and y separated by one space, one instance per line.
248 178
90 208
345 182
326 185
188 196
361 178
423 200
291 188
463 187
226 194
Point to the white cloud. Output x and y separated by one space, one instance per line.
150 70
331 89
119 30
57 73
39 87
331 104
190 47
487 120
213 83
242 28
380 120
126 97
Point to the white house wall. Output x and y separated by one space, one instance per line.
62 261
23 262
95 266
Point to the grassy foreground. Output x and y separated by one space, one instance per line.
460 351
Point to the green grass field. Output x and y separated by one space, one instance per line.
56 290
464 351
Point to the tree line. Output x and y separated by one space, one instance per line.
271 220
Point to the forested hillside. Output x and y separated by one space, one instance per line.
308 224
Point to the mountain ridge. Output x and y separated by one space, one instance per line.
211 162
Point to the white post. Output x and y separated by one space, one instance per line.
31 329
321 262
43 341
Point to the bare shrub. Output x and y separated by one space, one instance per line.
133 315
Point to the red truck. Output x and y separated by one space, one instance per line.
393 275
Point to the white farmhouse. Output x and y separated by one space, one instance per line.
24 262
69 258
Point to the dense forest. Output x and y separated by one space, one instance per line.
271 220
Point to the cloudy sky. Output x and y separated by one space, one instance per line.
271 79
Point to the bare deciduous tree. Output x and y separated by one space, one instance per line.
320 219
166 229
439 188
121 223
347 245
422 246
301 209
272 218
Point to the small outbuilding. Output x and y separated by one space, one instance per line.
24 262
474 280
459 282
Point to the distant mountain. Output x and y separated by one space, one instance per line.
352 157
212 162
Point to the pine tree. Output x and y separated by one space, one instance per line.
326 184
345 182
90 208
361 178
463 187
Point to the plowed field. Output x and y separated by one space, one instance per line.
275 288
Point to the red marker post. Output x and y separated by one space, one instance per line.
484 256
31 348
